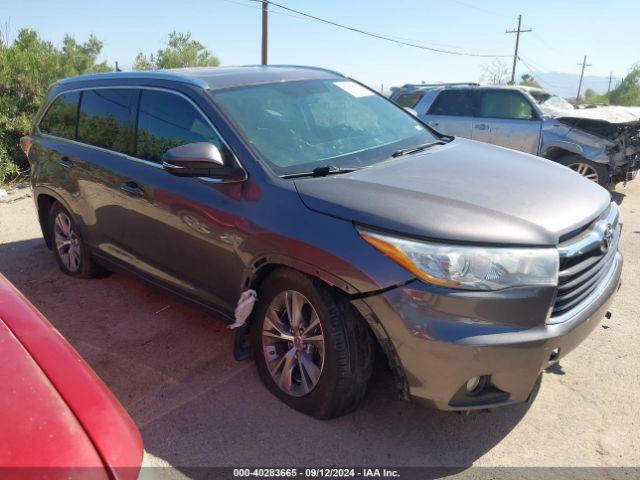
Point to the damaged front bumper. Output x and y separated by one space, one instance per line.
442 340
600 140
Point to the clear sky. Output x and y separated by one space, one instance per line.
563 31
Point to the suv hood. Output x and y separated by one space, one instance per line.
612 114
613 122
464 191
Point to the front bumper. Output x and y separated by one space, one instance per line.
441 338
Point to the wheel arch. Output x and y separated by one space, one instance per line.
44 199
263 266
554 153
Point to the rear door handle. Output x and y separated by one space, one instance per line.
481 126
65 162
132 188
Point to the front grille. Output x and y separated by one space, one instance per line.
585 260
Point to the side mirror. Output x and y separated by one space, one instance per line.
411 111
201 159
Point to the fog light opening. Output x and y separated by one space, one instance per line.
475 385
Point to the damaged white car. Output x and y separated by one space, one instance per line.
603 144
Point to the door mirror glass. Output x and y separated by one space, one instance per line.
201 159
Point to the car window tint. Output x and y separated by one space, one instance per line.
165 121
505 104
107 117
453 102
409 100
60 119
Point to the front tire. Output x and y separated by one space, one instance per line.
311 349
596 172
72 254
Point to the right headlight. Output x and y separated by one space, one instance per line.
469 267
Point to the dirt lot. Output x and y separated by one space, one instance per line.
171 367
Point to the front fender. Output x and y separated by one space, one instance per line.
558 135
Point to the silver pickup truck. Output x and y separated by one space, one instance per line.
603 143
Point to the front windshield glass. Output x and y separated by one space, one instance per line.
300 125
551 102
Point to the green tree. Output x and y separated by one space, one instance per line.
28 66
181 51
628 91
593 97
527 80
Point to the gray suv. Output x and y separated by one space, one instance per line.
357 226
602 144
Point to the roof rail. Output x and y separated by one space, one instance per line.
419 85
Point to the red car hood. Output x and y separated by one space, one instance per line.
38 428
54 410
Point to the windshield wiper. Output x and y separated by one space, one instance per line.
417 148
320 172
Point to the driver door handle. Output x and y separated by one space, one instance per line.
481 126
132 188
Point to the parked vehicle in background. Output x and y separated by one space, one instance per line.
311 189
601 144
58 420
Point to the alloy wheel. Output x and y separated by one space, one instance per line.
585 170
293 343
67 242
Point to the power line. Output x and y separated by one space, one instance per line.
394 38
378 35
548 46
537 71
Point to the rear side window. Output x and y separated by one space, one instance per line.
60 119
165 121
107 118
409 100
458 103
505 104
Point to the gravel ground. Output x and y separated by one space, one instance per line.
171 367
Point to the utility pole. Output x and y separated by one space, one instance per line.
518 31
609 87
265 30
584 64
117 67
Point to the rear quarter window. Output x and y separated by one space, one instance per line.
107 118
457 103
60 119
409 100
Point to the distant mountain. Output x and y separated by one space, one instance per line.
566 84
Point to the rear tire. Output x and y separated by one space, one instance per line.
71 252
343 363
593 171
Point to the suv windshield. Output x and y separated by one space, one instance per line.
298 126
549 102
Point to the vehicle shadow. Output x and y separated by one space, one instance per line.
618 197
171 367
